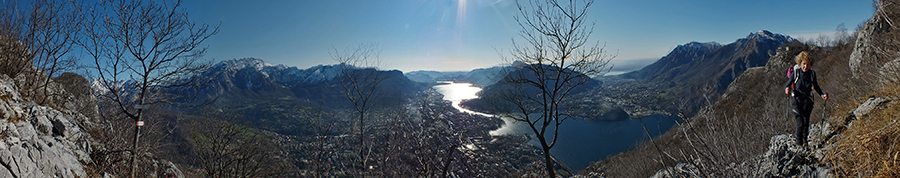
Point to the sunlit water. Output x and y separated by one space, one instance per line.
456 92
580 142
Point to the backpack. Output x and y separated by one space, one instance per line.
794 72
795 75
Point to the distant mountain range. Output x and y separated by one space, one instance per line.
494 92
254 79
694 73
699 72
277 97
481 77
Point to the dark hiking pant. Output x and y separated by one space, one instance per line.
802 107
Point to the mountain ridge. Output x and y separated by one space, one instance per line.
699 72
268 95
481 77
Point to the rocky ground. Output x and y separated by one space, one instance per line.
784 158
39 141
52 140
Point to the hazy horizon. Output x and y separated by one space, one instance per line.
461 35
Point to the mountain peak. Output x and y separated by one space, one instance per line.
696 46
764 33
241 63
767 35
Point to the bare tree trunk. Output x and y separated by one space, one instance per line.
449 159
361 87
362 144
134 147
549 161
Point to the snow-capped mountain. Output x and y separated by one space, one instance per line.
769 37
252 78
278 73
246 79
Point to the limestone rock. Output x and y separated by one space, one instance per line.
867 107
783 159
39 141
679 170
872 57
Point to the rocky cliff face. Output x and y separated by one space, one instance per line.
876 46
40 141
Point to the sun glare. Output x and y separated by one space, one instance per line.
461 13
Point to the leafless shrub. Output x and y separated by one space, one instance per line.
323 148
113 150
361 86
13 56
225 149
48 30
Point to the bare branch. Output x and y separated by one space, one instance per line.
558 60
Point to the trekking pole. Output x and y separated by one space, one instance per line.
787 112
823 109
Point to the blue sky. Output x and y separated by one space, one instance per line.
461 35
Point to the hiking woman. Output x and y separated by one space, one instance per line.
800 86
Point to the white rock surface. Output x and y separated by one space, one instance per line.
39 141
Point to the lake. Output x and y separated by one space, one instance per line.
580 142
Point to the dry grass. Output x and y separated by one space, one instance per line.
739 126
871 145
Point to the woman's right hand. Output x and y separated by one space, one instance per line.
787 91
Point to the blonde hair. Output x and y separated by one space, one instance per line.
803 56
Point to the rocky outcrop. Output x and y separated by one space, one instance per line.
782 159
785 159
876 46
78 96
39 141
867 107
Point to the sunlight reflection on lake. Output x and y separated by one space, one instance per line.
456 92
581 142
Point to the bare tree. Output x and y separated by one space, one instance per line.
154 45
225 149
322 124
428 140
557 59
822 40
48 28
841 36
360 86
